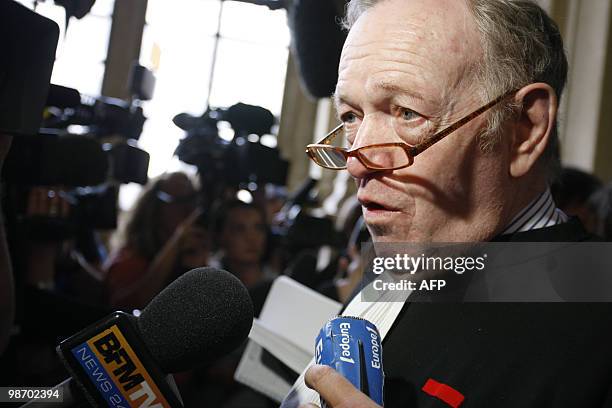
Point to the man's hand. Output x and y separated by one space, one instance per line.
336 390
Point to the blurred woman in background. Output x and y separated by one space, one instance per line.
241 237
161 238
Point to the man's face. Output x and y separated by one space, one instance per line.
404 74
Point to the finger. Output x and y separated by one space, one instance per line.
334 388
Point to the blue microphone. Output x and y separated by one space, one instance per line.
352 346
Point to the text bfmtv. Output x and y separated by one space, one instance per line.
117 373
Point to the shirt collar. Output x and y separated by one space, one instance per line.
541 212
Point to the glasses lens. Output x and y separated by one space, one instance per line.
384 157
329 157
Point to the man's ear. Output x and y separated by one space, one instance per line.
534 126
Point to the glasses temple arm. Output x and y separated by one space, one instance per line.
443 133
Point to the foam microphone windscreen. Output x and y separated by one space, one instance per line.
219 311
317 41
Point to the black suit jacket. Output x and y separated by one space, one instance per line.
514 355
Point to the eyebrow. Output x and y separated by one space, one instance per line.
386 86
337 100
393 87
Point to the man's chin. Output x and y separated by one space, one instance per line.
390 232
382 217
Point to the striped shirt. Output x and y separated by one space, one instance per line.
541 212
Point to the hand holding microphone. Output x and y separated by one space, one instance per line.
336 390
351 373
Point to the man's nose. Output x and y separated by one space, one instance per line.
369 133
356 168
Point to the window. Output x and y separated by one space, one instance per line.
179 44
82 48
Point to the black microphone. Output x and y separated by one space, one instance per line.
317 41
122 360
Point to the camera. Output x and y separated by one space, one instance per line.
240 162
87 147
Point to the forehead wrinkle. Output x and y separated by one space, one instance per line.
404 57
400 76
393 42
387 85
384 57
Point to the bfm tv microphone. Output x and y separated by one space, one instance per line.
121 360
352 346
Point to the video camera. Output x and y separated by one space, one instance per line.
243 161
86 146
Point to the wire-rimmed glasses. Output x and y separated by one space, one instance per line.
384 156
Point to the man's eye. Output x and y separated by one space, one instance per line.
348 117
408 114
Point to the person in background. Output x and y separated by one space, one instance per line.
241 236
161 238
600 204
41 306
571 192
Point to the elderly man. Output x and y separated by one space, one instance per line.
449 108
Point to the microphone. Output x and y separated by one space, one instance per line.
122 360
352 346
317 41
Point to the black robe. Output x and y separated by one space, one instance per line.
498 355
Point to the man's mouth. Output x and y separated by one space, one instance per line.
376 206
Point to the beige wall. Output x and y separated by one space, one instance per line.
585 120
297 127
603 151
123 46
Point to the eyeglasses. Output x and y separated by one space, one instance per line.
384 156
